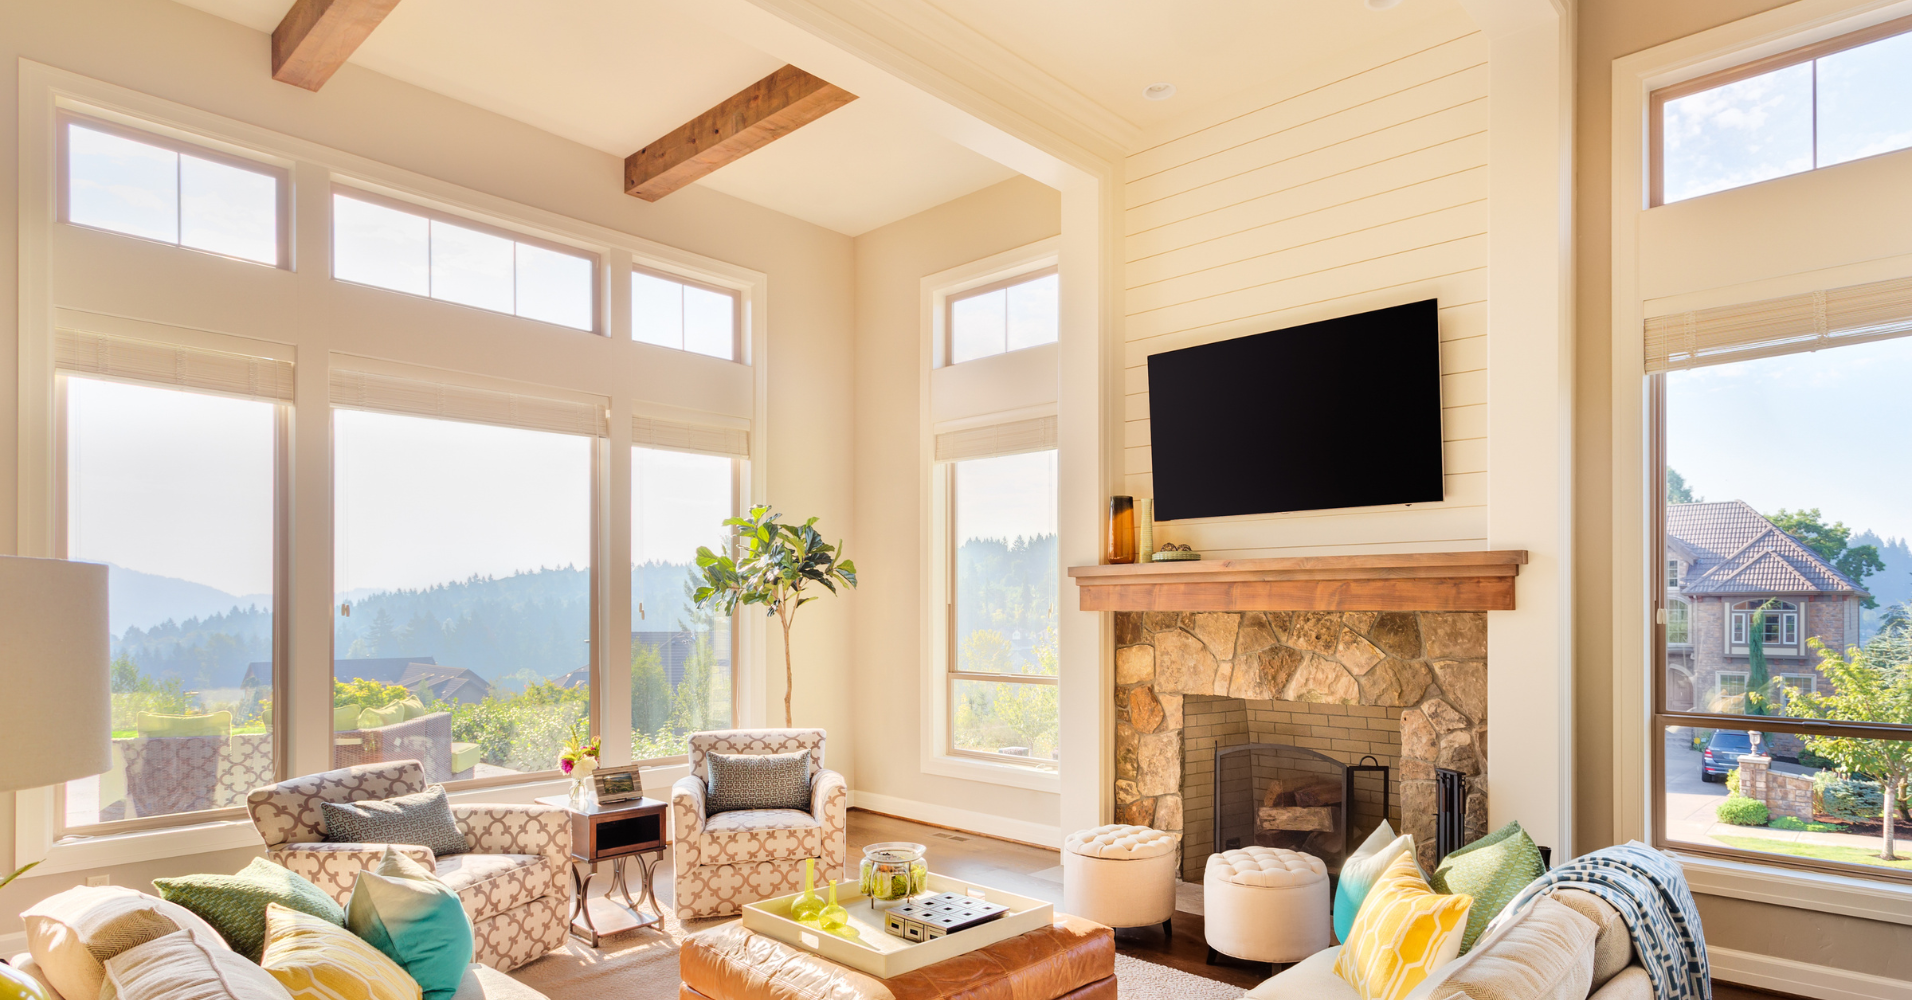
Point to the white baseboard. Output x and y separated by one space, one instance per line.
1803 979
1023 831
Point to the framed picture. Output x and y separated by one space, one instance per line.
617 784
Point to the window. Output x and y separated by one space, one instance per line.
1840 100
174 491
405 248
685 315
1677 629
682 667
125 181
1003 661
1005 316
462 564
1793 559
1673 573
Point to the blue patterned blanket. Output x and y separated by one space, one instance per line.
1650 892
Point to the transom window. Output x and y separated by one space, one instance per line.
686 315
1005 316
1843 99
405 248
126 181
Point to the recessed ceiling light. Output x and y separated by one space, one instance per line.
1381 4
1162 91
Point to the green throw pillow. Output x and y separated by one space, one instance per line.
213 724
415 919
236 905
1492 870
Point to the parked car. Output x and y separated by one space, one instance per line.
1721 757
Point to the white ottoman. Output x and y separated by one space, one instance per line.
1265 904
1122 876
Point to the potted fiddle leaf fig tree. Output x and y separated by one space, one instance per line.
773 566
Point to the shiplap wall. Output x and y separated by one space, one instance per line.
1327 197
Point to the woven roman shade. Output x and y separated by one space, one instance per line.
360 390
680 435
1010 438
1810 321
173 365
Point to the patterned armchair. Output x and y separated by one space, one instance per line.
513 881
725 861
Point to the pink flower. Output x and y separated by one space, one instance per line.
566 766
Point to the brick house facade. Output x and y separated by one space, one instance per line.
1729 569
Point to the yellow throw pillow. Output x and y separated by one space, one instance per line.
318 960
1403 933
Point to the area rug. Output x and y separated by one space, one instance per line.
645 965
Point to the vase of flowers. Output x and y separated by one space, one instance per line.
578 759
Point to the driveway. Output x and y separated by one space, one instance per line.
1691 804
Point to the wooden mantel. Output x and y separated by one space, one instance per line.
1413 581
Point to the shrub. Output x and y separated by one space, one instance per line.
1846 799
367 693
1742 811
1796 823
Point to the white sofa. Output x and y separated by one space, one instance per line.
1533 945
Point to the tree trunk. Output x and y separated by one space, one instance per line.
1889 804
786 644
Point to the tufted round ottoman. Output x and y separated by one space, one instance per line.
1122 876
1265 904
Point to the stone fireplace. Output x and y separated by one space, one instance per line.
1408 689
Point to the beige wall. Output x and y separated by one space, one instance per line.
888 265
173 52
1606 31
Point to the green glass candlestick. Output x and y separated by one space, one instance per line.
807 908
834 918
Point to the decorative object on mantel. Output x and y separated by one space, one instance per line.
1120 537
1415 581
1144 551
1175 553
776 562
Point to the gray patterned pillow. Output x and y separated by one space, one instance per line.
759 781
423 818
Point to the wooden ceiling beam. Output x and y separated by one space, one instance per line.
787 99
317 36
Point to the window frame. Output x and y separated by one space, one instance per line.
739 312
282 608
282 177
1662 717
1684 619
597 294
1739 619
1657 100
952 673
988 288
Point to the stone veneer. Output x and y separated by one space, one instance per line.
1427 668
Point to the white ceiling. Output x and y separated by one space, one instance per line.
1110 50
617 74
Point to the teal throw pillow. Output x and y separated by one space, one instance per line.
1492 870
415 919
236 905
1362 869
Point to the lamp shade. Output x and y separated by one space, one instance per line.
56 711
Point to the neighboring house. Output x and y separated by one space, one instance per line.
1724 564
673 648
455 684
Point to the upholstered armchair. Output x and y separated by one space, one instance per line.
513 880
725 861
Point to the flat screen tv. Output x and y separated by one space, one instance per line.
1340 413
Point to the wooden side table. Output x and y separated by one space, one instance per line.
614 832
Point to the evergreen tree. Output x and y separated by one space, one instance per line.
651 696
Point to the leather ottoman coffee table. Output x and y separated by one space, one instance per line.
1071 960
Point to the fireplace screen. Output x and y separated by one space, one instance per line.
1277 795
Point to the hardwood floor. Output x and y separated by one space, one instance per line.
1034 871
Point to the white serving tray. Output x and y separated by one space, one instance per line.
866 946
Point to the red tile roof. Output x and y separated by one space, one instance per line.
1737 551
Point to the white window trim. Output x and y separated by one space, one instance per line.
1634 78
934 290
46 91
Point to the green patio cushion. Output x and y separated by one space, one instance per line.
1492 870
465 755
374 718
211 724
414 709
346 717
